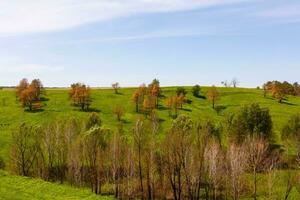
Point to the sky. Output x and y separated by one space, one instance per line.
180 42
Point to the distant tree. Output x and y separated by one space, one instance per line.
21 87
28 97
119 112
278 91
296 89
173 104
213 95
138 97
81 95
116 87
155 91
234 82
181 100
226 83
265 89
37 87
196 90
181 90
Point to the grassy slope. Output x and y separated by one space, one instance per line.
22 188
59 106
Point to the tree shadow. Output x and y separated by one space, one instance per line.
219 109
92 110
44 99
186 109
188 101
288 103
161 107
35 110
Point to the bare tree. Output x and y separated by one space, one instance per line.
116 87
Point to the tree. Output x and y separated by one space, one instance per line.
21 87
29 94
138 97
37 87
278 91
234 82
252 120
116 87
24 149
213 95
154 90
256 148
95 143
28 97
196 90
81 95
119 112
181 90
173 105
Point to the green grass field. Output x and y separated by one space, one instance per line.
23 188
58 106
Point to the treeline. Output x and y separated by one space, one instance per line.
192 160
280 90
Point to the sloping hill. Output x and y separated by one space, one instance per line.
22 188
104 100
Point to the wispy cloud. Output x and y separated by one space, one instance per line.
30 16
281 12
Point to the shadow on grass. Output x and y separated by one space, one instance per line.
200 97
34 111
186 109
219 109
288 103
161 107
44 99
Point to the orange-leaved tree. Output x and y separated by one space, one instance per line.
80 94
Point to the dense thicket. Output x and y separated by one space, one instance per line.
188 162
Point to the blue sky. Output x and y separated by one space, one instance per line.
180 42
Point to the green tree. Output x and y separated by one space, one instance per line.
196 90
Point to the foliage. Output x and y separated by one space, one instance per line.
196 90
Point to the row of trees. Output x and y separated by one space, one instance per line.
30 94
191 161
280 90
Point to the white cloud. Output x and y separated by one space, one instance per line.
30 16
283 11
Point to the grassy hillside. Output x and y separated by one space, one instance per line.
104 100
22 188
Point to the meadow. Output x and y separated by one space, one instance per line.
58 106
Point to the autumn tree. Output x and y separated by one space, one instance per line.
21 87
116 87
119 112
138 97
154 91
278 91
173 104
196 90
80 94
213 95
29 94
